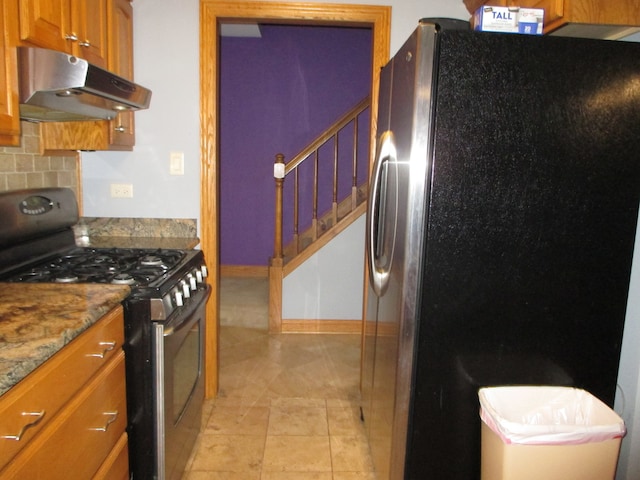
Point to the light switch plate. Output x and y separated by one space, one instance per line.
176 163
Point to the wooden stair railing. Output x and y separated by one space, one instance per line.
341 209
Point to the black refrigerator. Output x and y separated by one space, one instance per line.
502 215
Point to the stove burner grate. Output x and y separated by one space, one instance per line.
128 266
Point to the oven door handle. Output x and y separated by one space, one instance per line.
196 302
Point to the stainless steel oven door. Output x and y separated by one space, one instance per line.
178 352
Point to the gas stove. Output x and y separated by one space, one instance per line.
37 245
121 266
164 318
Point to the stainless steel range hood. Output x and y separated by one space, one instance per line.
56 87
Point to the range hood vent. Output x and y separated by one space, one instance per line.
56 87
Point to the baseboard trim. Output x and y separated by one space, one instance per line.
321 326
244 271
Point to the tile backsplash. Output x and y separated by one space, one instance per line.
25 167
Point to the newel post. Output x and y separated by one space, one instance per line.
277 261
278 175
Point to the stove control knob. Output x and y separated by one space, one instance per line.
203 268
192 281
198 276
186 291
178 298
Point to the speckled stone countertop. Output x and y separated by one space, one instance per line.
37 320
105 232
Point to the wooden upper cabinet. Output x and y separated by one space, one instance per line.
120 23
9 116
77 27
591 18
45 23
119 133
89 24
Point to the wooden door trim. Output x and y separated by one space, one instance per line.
211 12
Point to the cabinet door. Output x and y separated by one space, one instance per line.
83 435
46 23
120 21
9 116
89 22
116 465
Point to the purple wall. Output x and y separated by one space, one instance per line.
277 93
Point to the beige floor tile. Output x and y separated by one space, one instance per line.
345 420
296 420
229 453
246 301
224 400
238 420
296 476
297 454
298 402
222 476
354 476
350 454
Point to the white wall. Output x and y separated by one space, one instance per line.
328 286
167 61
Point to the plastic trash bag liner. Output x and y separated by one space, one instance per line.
548 415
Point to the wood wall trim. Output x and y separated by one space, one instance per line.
322 326
256 271
211 12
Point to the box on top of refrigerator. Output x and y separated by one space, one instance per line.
528 21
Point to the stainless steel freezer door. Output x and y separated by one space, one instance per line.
396 220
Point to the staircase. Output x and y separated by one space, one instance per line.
306 235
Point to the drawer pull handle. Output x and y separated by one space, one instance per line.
110 346
39 415
113 416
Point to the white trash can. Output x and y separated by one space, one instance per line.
550 433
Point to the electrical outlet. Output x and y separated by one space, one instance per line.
121 190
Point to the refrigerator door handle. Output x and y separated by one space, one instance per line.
380 242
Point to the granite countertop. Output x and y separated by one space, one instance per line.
105 232
37 320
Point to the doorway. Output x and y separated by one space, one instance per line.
212 12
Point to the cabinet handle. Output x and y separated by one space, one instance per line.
39 415
113 416
119 128
110 346
86 43
71 36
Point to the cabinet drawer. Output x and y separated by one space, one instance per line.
75 443
116 466
33 403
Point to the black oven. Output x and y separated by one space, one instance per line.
164 346
164 318
178 346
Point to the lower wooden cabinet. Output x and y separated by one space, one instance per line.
116 465
75 427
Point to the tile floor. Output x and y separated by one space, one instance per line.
287 408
